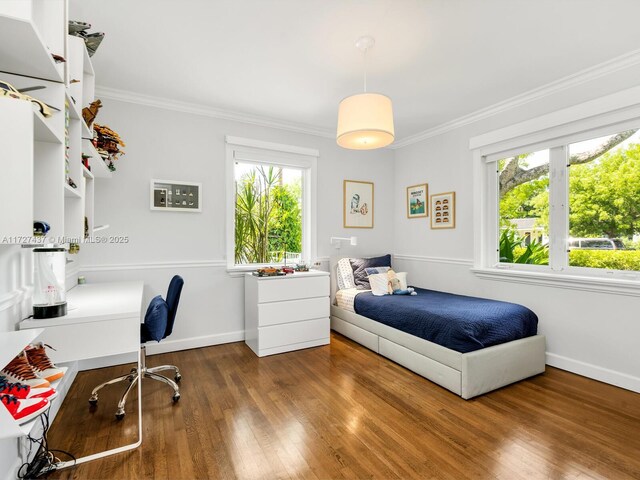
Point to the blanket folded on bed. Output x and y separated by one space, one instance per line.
461 323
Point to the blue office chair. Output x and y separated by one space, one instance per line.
158 324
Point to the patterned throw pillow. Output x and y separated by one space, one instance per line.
344 274
359 265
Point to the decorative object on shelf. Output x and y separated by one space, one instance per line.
81 280
417 199
108 145
170 195
85 161
40 228
443 210
74 248
58 58
49 298
86 227
357 204
365 120
71 183
301 267
275 272
8 90
90 113
91 40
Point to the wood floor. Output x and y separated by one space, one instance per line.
341 411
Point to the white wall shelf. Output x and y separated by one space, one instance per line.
70 192
98 167
23 51
87 173
44 131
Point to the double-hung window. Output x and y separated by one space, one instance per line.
567 205
270 204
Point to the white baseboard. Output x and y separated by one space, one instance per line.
164 347
622 380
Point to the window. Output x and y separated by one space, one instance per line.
270 204
573 207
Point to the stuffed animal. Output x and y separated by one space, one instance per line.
394 285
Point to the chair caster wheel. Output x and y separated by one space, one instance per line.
119 414
177 378
93 400
176 397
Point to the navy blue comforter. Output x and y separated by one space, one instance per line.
463 324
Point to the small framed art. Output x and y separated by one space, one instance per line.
358 204
417 200
443 210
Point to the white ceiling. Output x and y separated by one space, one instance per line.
294 60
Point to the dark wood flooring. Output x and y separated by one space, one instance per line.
342 411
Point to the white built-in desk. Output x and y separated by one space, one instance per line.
103 319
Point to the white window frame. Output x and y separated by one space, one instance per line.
248 150
607 115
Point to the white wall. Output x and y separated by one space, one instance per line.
182 146
594 334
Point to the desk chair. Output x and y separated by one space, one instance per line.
158 324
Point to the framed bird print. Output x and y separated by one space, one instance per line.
443 210
417 200
358 204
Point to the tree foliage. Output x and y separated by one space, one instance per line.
267 216
605 195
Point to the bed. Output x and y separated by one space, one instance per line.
480 355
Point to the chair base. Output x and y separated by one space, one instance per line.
134 377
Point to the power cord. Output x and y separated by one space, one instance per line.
44 461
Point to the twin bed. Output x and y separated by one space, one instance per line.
467 345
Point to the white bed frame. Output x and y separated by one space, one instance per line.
465 374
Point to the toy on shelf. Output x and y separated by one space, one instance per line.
8 90
107 143
90 113
91 40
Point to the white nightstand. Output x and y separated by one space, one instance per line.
287 313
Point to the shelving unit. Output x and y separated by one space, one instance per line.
30 32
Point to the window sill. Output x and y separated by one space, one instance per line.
614 286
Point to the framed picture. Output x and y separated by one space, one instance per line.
175 196
417 200
443 210
358 204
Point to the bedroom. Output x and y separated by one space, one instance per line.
199 90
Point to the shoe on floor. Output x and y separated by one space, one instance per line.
41 363
26 409
21 391
19 371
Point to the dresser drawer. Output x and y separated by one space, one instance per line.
274 313
293 333
292 288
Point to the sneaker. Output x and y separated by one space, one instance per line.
41 363
19 371
26 409
21 391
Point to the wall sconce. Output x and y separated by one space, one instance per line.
335 241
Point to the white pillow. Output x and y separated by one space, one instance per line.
344 274
379 284
402 276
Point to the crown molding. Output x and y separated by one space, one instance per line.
207 111
616 64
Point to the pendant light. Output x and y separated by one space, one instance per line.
365 120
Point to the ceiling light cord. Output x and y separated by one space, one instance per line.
364 61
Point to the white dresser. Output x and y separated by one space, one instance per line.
286 313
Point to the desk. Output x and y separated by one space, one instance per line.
103 319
